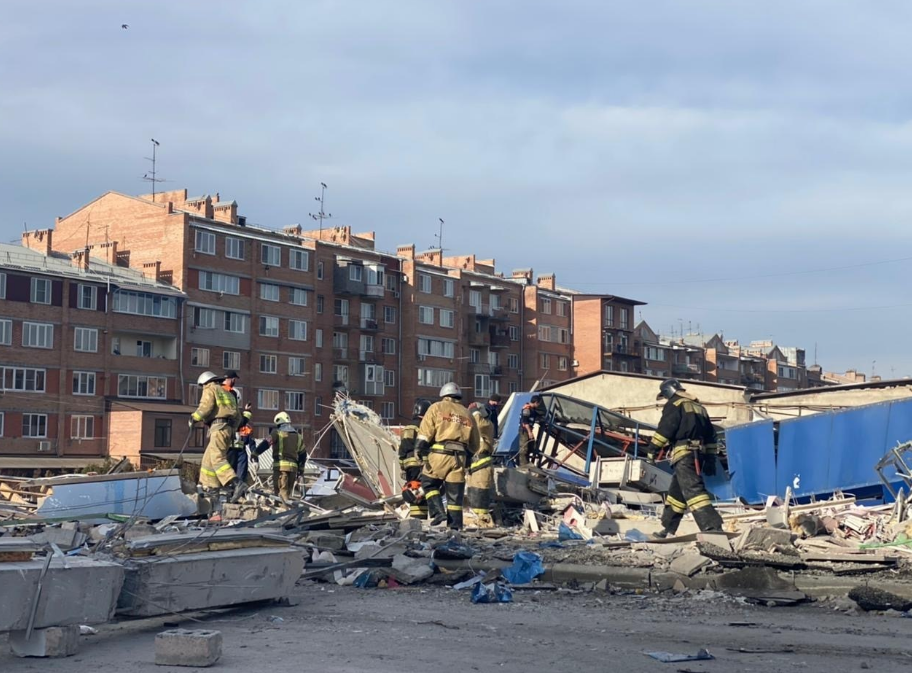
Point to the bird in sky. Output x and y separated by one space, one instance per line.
124 25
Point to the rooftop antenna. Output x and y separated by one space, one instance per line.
815 352
322 215
439 238
153 177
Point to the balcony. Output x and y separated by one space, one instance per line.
370 325
750 378
342 320
497 370
480 311
500 341
374 291
367 356
500 315
340 353
479 368
626 349
684 369
151 346
479 338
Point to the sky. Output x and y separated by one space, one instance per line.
742 167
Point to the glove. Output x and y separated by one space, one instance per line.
422 448
709 466
651 458
190 422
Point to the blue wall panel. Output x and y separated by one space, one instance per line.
802 461
856 444
751 461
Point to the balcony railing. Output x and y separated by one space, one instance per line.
342 320
682 368
497 370
479 368
500 341
479 338
374 290
500 314
340 353
480 310
369 324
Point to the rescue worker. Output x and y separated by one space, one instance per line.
237 452
287 455
533 412
409 460
218 409
480 481
493 409
685 429
446 436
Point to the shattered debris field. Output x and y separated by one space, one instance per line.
345 629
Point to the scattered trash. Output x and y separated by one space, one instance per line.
275 620
551 545
526 567
635 535
564 533
454 550
496 592
670 657
87 630
470 583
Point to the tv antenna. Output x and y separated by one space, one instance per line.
322 215
439 236
153 177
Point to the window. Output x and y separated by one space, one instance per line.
652 353
268 364
546 306
545 361
2 287
424 283
389 377
495 302
387 411
205 242
142 303
375 277
448 287
426 315
85 340
340 307
563 308
154 387
514 305
271 255
269 326
320 303
269 292
231 360
2 422
355 272
514 387
37 335
340 374
143 349
389 315
298 296
436 348
234 249
297 330
388 346
514 333
373 380
219 282
318 406
544 333
447 318
482 385
294 401
299 259
23 379
563 363
623 315
193 393
563 335
340 340
368 314
318 338
434 378
82 427
203 318
83 383
199 357
87 297
392 283
475 299
475 355
236 322
512 361
267 399
367 344
34 425
6 332
41 291
163 432
318 371
296 366
609 316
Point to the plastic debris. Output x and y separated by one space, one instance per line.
564 532
87 630
453 550
526 567
635 535
671 658
496 592
470 582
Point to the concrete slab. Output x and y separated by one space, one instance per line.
689 564
512 486
764 539
410 570
183 647
158 585
54 641
718 539
83 591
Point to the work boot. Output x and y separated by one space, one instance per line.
240 488
661 535
436 510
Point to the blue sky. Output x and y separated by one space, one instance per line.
630 147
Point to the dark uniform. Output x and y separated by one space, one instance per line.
411 465
531 414
686 431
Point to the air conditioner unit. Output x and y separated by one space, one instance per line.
44 446
575 363
396 294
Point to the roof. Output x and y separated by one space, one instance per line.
60 264
868 385
157 407
609 297
47 463
684 382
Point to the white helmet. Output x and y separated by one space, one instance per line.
208 377
282 418
451 390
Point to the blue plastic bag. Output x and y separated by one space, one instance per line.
526 567
564 533
496 592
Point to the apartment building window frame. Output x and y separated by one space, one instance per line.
2 289
447 318
563 335
475 299
297 330
82 426
41 291
545 361
162 433
268 328
231 360
387 346
544 333
512 361
623 318
6 332
340 374
295 400
270 292
199 357
37 335
366 343
204 242
389 315
269 364
83 334
222 283
482 386
389 378
34 426
373 383
546 306
387 411
321 304
2 422
270 255
426 315
297 296
143 348
355 273
514 333
297 366
431 377
318 405
142 382
425 283
298 259
563 308
143 303
234 248
514 305
436 348
608 316
236 323
84 383
318 371
563 363
268 399
204 318
449 287
86 297
320 270
23 379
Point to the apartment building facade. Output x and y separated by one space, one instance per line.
604 330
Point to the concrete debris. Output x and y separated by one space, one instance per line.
408 570
764 539
689 564
182 647
870 598
54 641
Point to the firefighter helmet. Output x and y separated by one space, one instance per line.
451 390
668 389
208 377
282 418
421 407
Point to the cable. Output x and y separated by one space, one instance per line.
782 310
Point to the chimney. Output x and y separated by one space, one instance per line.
151 271
225 212
547 282
80 259
38 240
523 274
107 252
406 251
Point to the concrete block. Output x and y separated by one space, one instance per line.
718 539
325 541
63 537
140 530
82 592
764 539
512 485
689 564
183 647
159 585
54 641
410 570
379 552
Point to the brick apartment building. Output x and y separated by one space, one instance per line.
604 334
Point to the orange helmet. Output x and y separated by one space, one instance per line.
245 431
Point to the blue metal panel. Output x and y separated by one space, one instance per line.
802 460
856 443
899 430
751 462
508 443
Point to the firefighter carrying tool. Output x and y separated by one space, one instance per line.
479 493
686 430
411 464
